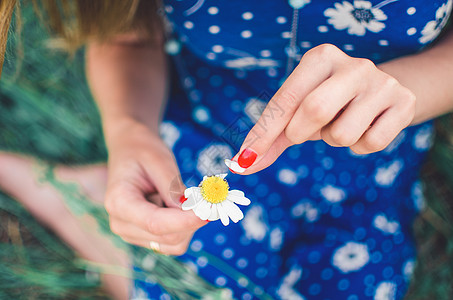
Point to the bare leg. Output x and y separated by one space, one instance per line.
18 179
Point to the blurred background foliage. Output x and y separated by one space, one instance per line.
46 111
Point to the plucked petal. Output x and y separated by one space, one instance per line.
238 197
223 214
203 210
234 166
214 213
233 211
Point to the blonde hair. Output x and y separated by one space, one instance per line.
6 14
74 23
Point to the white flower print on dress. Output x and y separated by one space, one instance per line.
254 109
423 139
433 28
408 269
211 159
417 196
169 133
382 223
254 225
276 239
386 290
351 257
357 17
245 60
333 194
385 176
286 289
305 209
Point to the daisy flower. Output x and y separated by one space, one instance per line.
351 257
213 200
433 28
357 17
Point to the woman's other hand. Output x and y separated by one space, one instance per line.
345 101
143 192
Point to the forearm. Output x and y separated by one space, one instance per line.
128 79
429 75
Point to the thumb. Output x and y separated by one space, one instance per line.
165 176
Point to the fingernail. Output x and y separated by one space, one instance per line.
247 158
182 199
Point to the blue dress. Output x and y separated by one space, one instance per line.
324 223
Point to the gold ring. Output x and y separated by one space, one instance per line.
154 246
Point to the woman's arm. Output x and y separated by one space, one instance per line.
128 78
429 75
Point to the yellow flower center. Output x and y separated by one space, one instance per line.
214 189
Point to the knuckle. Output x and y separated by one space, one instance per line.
359 149
375 142
390 82
325 49
155 228
341 136
320 52
288 98
363 65
292 134
316 109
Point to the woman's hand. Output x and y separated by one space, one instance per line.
143 191
345 101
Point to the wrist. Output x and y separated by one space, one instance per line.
118 128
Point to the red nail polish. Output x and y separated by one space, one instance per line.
247 158
182 199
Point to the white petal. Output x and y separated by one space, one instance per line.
348 5
203 210
191 191
222 214
378 15
214 213
190 203
343 22
233 211
375 26
357 29
222 175
362 4
330 12
238 197
234 166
